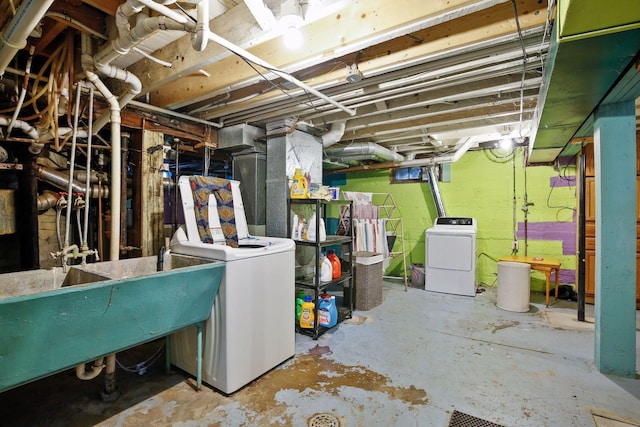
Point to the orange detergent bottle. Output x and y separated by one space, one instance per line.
336 269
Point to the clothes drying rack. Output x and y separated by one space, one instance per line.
394 226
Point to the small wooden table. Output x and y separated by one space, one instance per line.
543 265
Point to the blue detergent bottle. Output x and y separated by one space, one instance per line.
327 312
334 312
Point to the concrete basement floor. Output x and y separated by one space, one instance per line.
411 361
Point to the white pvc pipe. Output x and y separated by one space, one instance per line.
199 41
84 243
72 163
153 58
449 158
96 369
135 86
123 45
23 92
150 107
169 13
251 57
21 25
123 13
19 124
116 156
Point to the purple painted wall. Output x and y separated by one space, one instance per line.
564 231
557 181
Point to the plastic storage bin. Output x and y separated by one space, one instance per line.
368 280
513 286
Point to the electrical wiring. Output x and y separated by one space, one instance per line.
524 63
276 86
547 30
514 249
498 158
525 206
560 207
487 255
141 368
562 175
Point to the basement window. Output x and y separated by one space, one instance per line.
410 174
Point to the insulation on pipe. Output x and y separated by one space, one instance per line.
72 163
335 133
23 126
23 92
47 200
85 244
362 151
126 41
60 180
14 37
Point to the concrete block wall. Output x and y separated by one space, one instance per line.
482 187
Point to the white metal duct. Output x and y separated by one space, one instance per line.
362 151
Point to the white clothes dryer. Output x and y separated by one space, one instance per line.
450 264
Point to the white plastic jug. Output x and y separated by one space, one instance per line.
311 233
325 270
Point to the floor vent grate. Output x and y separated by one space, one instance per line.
460 419
323 420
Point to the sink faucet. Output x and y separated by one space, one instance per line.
73 252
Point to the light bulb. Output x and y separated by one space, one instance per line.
506 143
293 38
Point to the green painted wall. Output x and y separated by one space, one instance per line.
481 187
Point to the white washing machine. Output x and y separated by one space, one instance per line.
450 264
250 330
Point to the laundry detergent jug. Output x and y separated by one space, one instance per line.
327 312
336 268
299 186
307 316
326 273
299 301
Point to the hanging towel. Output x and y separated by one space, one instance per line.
202 187
371 236
366 211
358 198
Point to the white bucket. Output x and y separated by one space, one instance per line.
513 286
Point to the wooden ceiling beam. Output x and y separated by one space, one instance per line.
464 31
356 26
107 6
482 113
88 16
52 29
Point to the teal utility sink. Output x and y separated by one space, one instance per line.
51 320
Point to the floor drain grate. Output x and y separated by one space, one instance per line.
460 419
323 420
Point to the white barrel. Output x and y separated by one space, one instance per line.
513 286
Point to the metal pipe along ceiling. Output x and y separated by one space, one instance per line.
362 151
444 68
243 53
